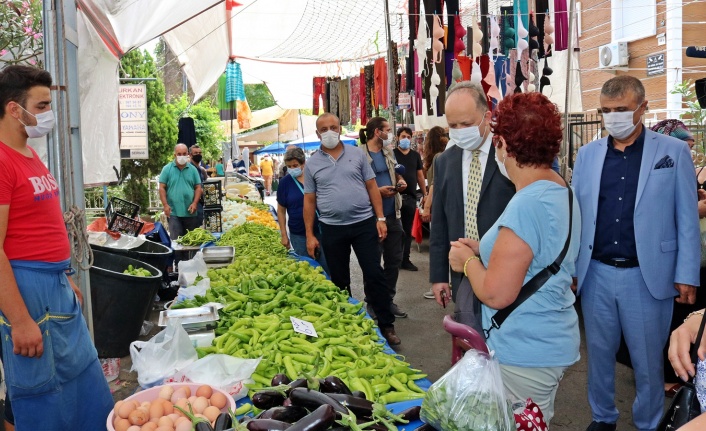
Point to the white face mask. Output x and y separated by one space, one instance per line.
468 138
182 160
619 124
501 166
330 139
45 124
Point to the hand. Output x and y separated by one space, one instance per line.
440 289
387 191
76 290
382 230
702 208
472 243
285 242
167 210
701 193
401 186
679 345
311 245
459 254
425 216
27 339
192 208
687 294
574 284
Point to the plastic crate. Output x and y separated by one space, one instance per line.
125 225
121 206
212 219
211 194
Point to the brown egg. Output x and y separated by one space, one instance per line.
218 399
164 429
182 404
187 390
183 426
173 417
166 392
168 407
134 428
125 409
138 417
116 409
212 413
149 426
199 404
166 421
156 410
122 424
204 391
177 395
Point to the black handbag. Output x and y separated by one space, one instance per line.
685 405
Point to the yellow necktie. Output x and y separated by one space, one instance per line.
475 179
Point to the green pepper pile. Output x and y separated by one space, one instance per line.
196 237
137 272
253 239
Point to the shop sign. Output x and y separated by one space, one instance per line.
655 64
404 101
133 121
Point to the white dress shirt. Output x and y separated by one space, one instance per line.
466 164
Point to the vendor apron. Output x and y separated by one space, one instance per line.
44 391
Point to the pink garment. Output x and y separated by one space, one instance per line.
561 26
355 99
381 83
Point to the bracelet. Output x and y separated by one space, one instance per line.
382 219
468 260
694 313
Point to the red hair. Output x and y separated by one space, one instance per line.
530 124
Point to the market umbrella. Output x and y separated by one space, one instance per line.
275 148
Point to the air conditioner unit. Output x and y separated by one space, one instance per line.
613 55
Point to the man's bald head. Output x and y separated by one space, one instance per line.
328 118
181 150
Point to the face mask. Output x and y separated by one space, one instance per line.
468 138
405 143
501 166
197 158
45 123
294 172
387 142
329 139
182 160
619 124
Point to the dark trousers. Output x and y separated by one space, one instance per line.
409 207
391 250
178 227
337 240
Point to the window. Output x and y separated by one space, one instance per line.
633 19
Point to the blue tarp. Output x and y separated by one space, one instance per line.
309 143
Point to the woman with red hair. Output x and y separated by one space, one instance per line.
540 338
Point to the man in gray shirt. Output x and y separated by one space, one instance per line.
340 183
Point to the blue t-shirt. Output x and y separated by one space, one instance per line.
543 331
382 178
290 196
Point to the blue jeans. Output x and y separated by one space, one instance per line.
48 393
299 245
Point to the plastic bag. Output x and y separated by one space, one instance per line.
190 269
190 292
163 355
469 397
221 371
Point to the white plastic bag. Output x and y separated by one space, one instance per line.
190 269
469 397
221 371
163 355
190 292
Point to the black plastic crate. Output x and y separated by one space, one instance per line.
122 207
212 219
211 193
125 225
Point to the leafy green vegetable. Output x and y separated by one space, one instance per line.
137 272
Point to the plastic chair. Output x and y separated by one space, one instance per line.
463 338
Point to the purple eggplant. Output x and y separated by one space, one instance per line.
359 394
203 426
318 420
333 384
281 379
223 422
299 383
267 425
266 399
313 399
425 427
289 414
359 406
411 414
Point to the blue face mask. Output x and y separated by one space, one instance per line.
294 172
404 143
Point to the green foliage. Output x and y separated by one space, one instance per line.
693 111
21 38
162 129
259 96
207 121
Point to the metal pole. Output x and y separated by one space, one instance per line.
64 150
569 70
391 72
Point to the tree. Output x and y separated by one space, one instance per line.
21 32
207 122
162 129
693 113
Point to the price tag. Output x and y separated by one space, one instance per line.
303 327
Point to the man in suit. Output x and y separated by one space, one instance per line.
639 249
469 195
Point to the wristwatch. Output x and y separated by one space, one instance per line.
382 219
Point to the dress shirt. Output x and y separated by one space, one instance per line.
615 228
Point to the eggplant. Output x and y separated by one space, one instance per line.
203 426
359 394
313 399
223 422
287 402
281 379
318 420
267 425
411 414
425 427
267 399
359 406
333 384
289 414
299 383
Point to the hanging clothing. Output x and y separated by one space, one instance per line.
235 90
319 93
369 92
244 114
380 82
187 132
464 63
355 99
561 26
334 85
344 101
227 110
452 10
413 16
395 68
